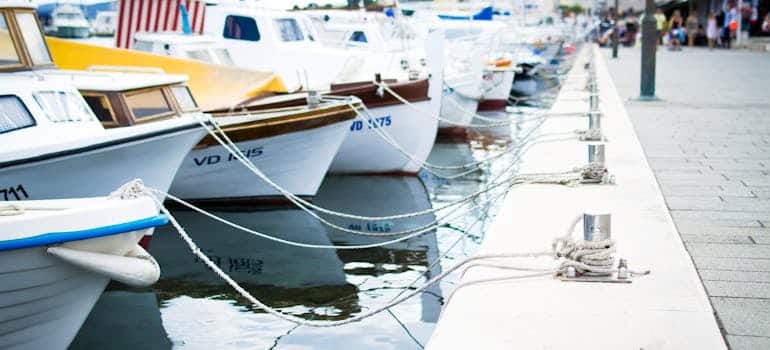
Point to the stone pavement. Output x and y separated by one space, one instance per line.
708 143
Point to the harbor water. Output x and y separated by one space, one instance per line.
190 307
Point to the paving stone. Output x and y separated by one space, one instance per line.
738 290
725 130
725 250
738 264
742 342
726 203
716 216
734 276
755 181
710 238
743 316
692 230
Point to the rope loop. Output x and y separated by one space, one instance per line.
11 210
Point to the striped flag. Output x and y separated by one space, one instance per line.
155 16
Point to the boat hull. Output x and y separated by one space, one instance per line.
366 152
457 108
44 300
94 171
497 89
297 161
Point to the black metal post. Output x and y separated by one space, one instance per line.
649 46
615 31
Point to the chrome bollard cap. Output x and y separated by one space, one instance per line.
596 225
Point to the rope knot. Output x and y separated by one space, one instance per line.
595 173
11 210
130 190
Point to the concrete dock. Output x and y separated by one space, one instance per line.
668 309
708 143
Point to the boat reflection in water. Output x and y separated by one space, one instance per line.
199 310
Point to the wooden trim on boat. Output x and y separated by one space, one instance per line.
412 91
304 119
25 61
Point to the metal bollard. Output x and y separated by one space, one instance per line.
596 226
596 153
595 120
593 100
313 99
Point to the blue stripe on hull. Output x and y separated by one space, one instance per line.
62 237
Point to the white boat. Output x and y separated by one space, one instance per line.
463 79
195 47
68 21
364 151
292 145
498 80
105 23
412 128
57 256
287 43
53 144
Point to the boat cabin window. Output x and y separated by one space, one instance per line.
148 103
288 29
201 55
358 36
241 28
100 105
184 98
60 106
8 54
308 28
33 38
223 56
14 115
141 45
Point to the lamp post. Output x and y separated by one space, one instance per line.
615 31
649 46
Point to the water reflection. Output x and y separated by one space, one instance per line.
199 310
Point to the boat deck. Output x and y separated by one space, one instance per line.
667 309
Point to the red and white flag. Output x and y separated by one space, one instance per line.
155 16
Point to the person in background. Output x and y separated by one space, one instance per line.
711 29
660 21
676 32
692 29
730 23
766 24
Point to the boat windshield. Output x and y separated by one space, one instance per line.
184 98
8 54
62 107
288 29
69 15
33 38
148 103
223 56
13 114
201 55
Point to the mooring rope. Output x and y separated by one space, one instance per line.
554 252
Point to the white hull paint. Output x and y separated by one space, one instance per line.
44 300
296 161
497 88
460 110
95 172
497 84
365 151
